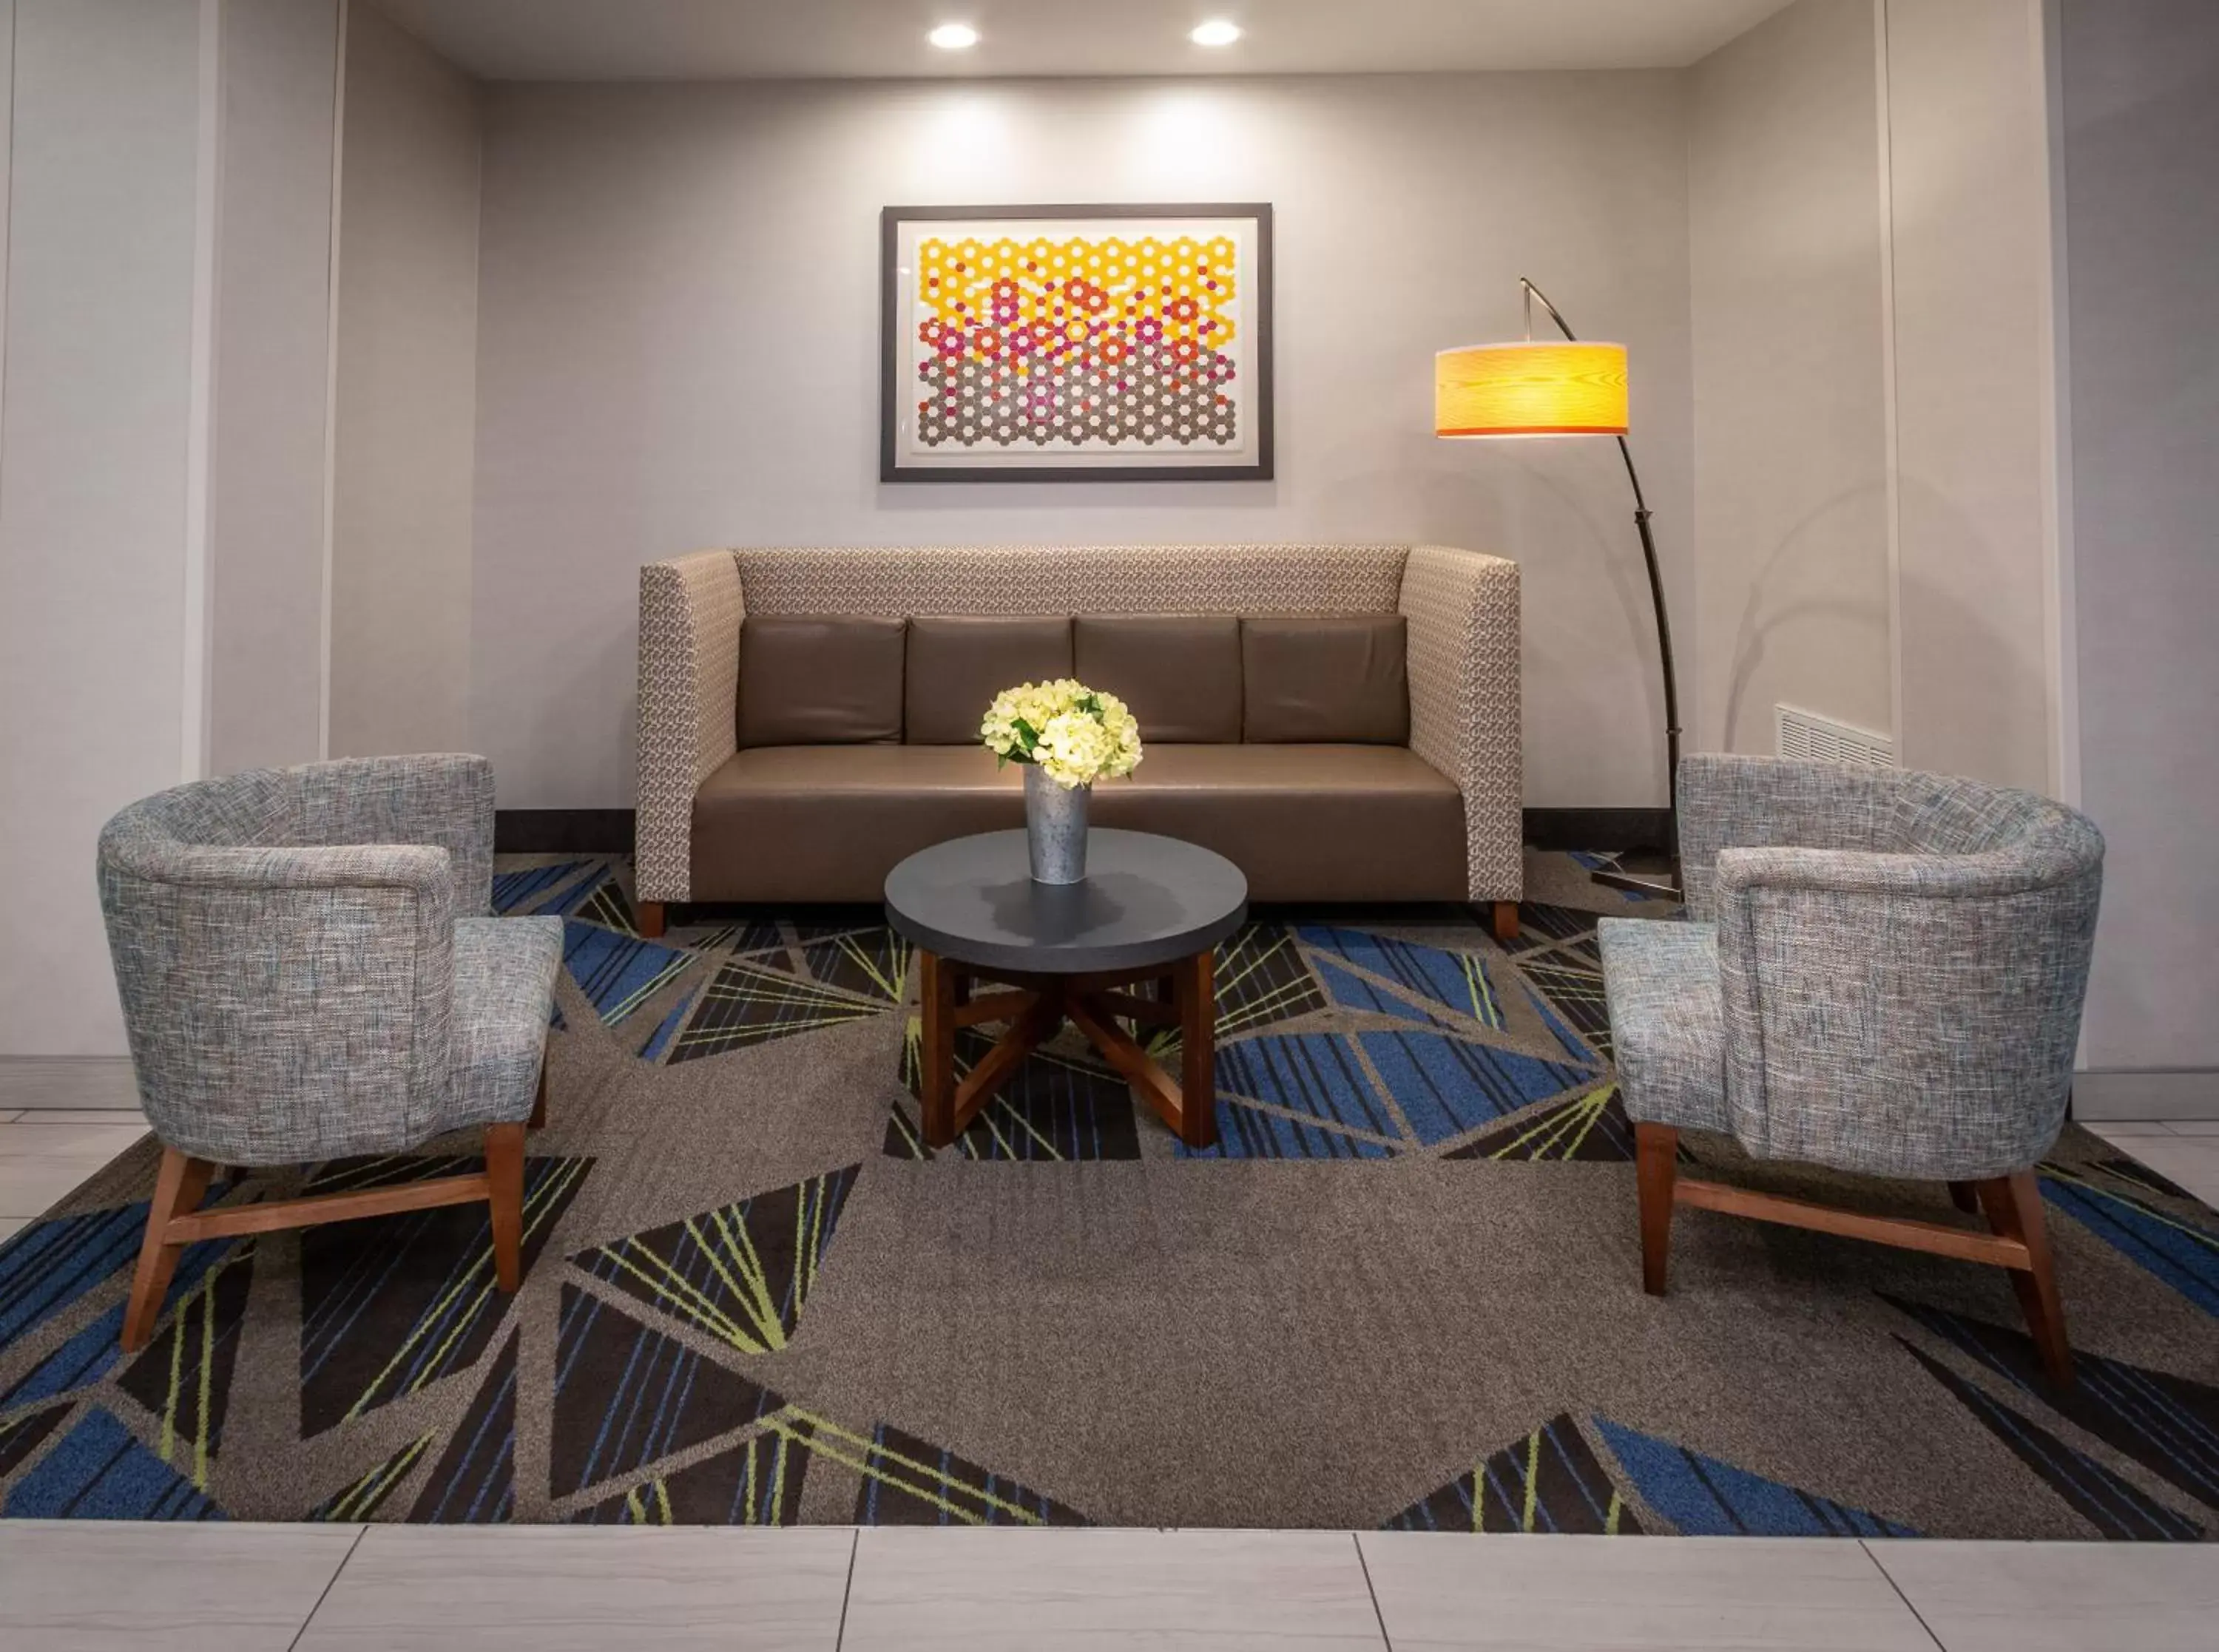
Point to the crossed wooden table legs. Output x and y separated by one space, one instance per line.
1036 1006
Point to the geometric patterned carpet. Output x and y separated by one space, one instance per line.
1404 1291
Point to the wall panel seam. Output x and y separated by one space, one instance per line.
1892 442
332 383
2061 641
195 710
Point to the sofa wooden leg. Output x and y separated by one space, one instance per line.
177 1189
503 1153
651 918
2014 1207
1505 921
1657 1156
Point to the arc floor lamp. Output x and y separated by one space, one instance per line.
1568 388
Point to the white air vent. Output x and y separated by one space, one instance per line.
1821 740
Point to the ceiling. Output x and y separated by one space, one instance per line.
708 40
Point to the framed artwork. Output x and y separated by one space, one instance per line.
1077 344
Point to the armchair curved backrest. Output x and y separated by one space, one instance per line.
1902 960
283 944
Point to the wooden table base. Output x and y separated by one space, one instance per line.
1036 1006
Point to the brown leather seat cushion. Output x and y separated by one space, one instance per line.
958 664
1309 681
828 822
820 680
1179 674
1323 822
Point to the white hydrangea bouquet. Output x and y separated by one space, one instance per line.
1068 736
1074 734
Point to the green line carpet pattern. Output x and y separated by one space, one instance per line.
1402 1291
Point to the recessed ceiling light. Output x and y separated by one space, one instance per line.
1216 32
953 37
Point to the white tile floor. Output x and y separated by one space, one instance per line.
87 1586
2185 1153
46 1152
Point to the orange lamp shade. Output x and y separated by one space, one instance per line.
1530 389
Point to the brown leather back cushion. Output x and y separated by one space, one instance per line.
1180 673
957 665
1324 680
831 680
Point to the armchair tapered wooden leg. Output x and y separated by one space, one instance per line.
177 1189
651 919
503 1153
1505 921
1656 1154
2014 1207
538 1120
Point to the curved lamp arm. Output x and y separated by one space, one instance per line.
1641 515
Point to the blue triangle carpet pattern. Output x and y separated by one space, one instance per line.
1401 1291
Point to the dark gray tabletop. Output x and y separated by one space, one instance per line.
1146 900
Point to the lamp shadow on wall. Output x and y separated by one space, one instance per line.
1797 550
1595 704
1992 701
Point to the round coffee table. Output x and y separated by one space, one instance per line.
1151 909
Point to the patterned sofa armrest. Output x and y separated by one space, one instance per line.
690 614
1464 709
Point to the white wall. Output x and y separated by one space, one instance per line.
2141 131
678 348
1970 255
96 704
406 355
1790 415
1874 402
267 486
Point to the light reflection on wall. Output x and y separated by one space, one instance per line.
1188 142
966 149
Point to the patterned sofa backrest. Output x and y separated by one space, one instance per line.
1246 579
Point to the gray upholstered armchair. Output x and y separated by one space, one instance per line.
309 967
1884 975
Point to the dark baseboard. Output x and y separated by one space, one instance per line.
609 831
1610 829
563 831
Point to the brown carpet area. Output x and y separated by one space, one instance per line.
1406 1290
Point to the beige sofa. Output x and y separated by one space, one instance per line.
1342 721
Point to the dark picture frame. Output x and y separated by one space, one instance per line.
897 365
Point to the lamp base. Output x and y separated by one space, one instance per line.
1654 875
1655 889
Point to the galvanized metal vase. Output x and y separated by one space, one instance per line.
1055 828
